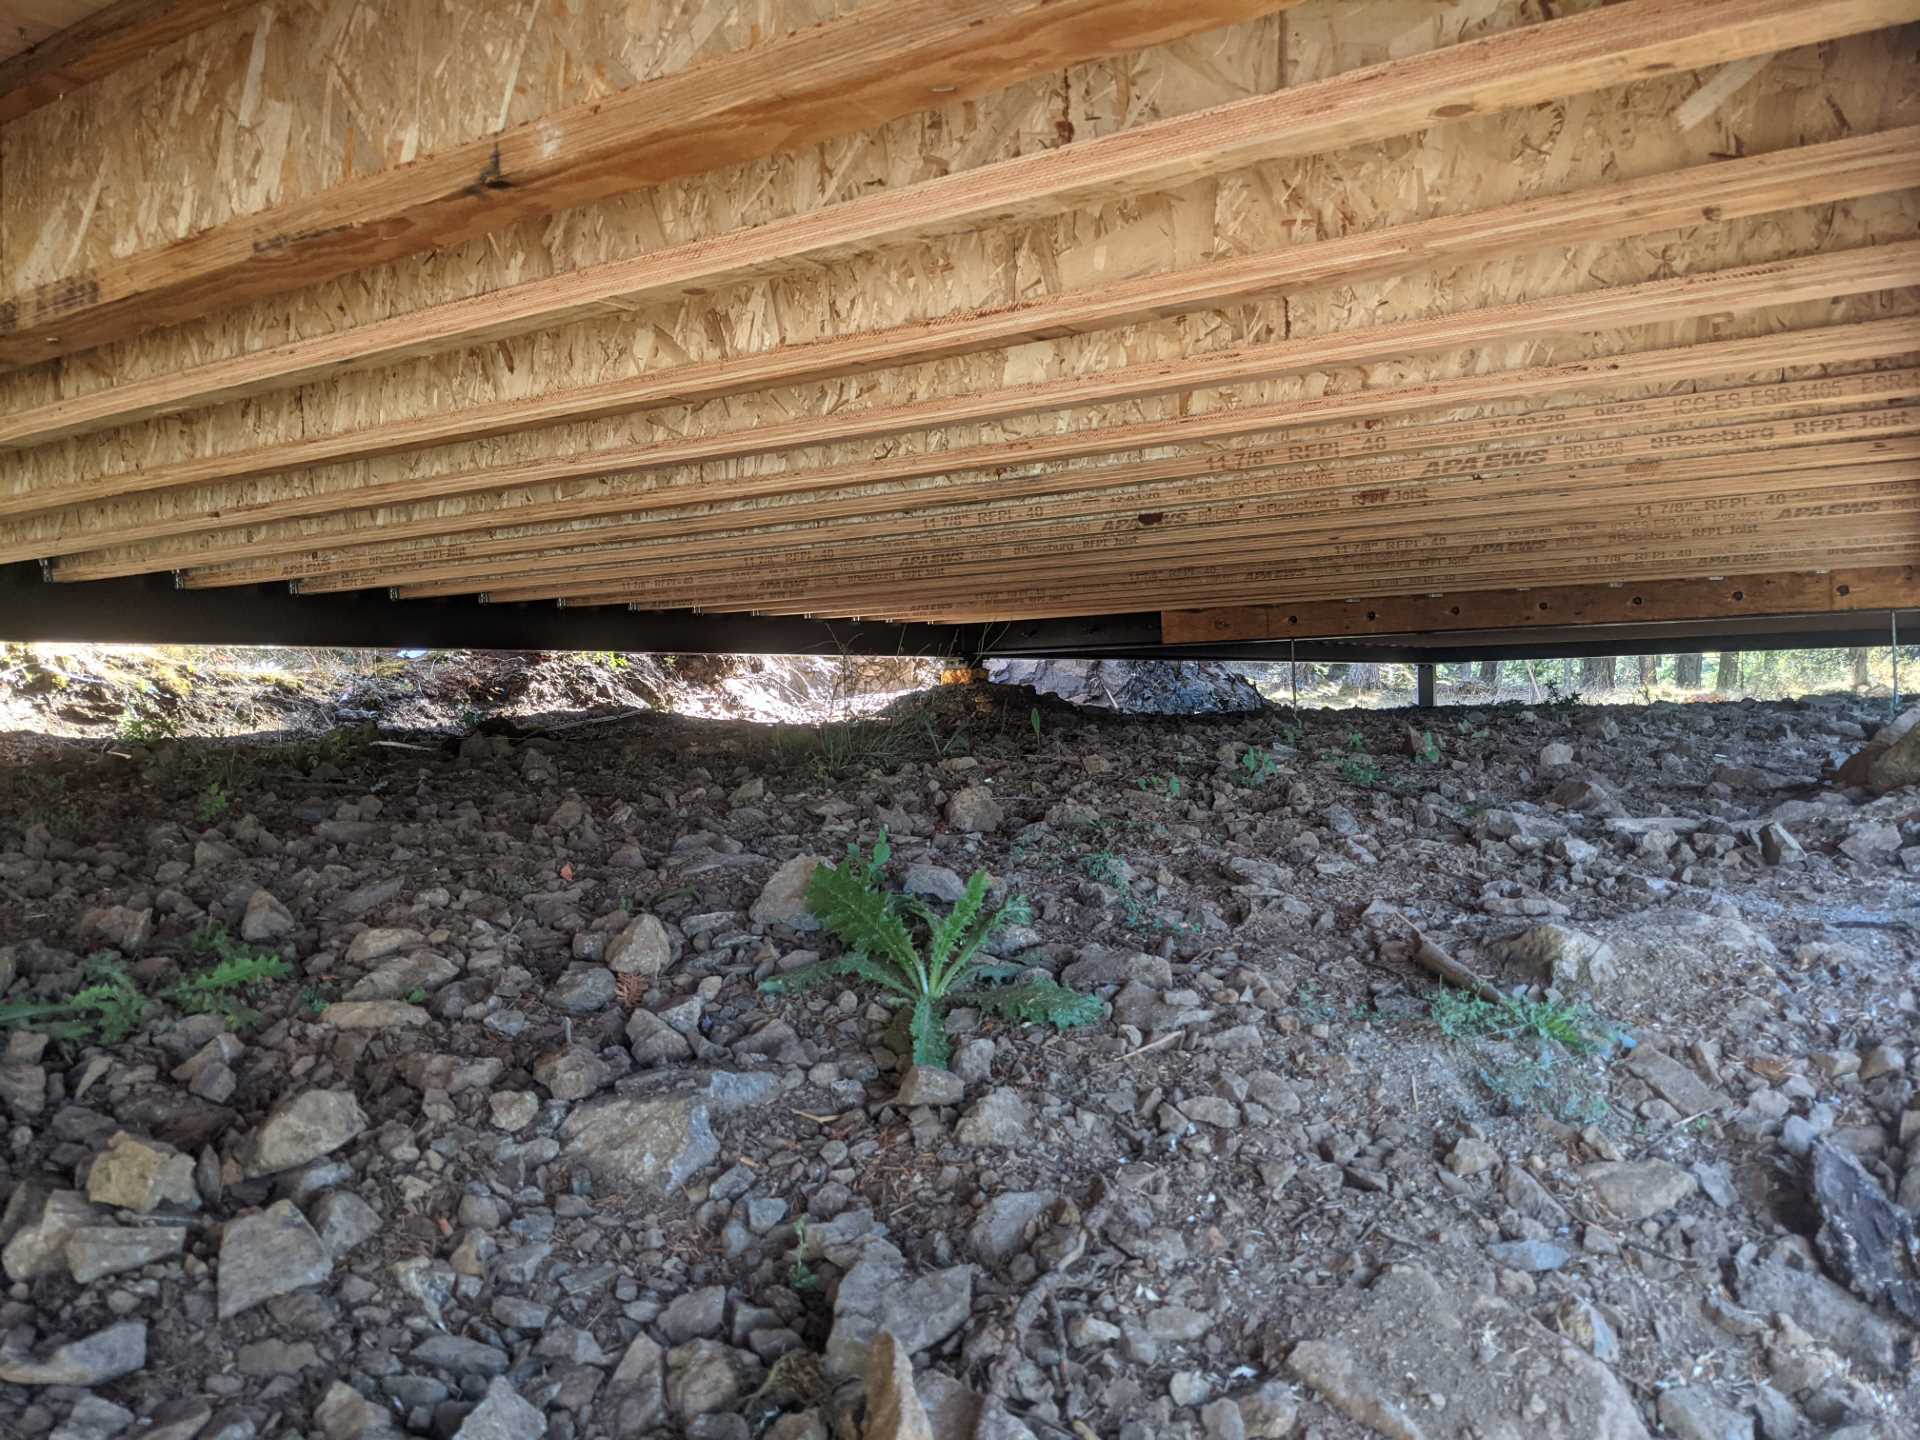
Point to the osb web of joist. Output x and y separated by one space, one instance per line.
293 98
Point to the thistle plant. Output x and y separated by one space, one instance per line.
878 925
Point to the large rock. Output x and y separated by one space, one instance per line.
1890 759
1411 1358
106 1355
879 1294
1826 1312
302 1128
783 900
658 1142
273 1253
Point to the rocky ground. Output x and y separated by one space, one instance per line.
518 1145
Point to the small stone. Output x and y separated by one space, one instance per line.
1690 1413
1639 1189
973 811
894 1411
879 1294
303 1128
265 920
643 948
1472 1157
696 1315
573 1073
583 990
376 944
273 1253
927 1085
106 1355
117 926
1555 754
1778 847
1529 1256
659 1142
44 1218
1000 1231
513 1109
1269 1411
138 1175
372 1015
783 900
1000 1117
97 1250
502 1415
343 1221
702 1377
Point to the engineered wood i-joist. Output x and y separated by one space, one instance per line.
1790 415
98 44
1827 345
1048 549
1560 58
1747 287
1722 191
1299 491
1798 593
861 70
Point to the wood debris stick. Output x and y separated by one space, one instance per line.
1430 955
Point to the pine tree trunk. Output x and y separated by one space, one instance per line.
1862 676
1686 671
1726 679
1596 673
1490 674
1649 671
1362 675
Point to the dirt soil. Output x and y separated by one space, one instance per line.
521 1147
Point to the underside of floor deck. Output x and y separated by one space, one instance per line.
1383 327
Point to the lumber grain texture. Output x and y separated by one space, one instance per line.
123 513
1764 594
1718 192
850 74
227 536
98 45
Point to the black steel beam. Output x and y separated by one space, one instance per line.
151 610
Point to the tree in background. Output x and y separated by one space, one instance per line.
1490 674
1596 673
1859 657
1726 677
1649 671
1686 671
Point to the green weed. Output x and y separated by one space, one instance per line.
1360 772
1257 767
214 802
876 925
111 1006
1167 785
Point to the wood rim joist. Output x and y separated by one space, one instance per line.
1433 488
1788 415
1059 554
1311 419
1607 47
1774 593
847 74
1746 287
1714 193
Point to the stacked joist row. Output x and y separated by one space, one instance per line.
1626 295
